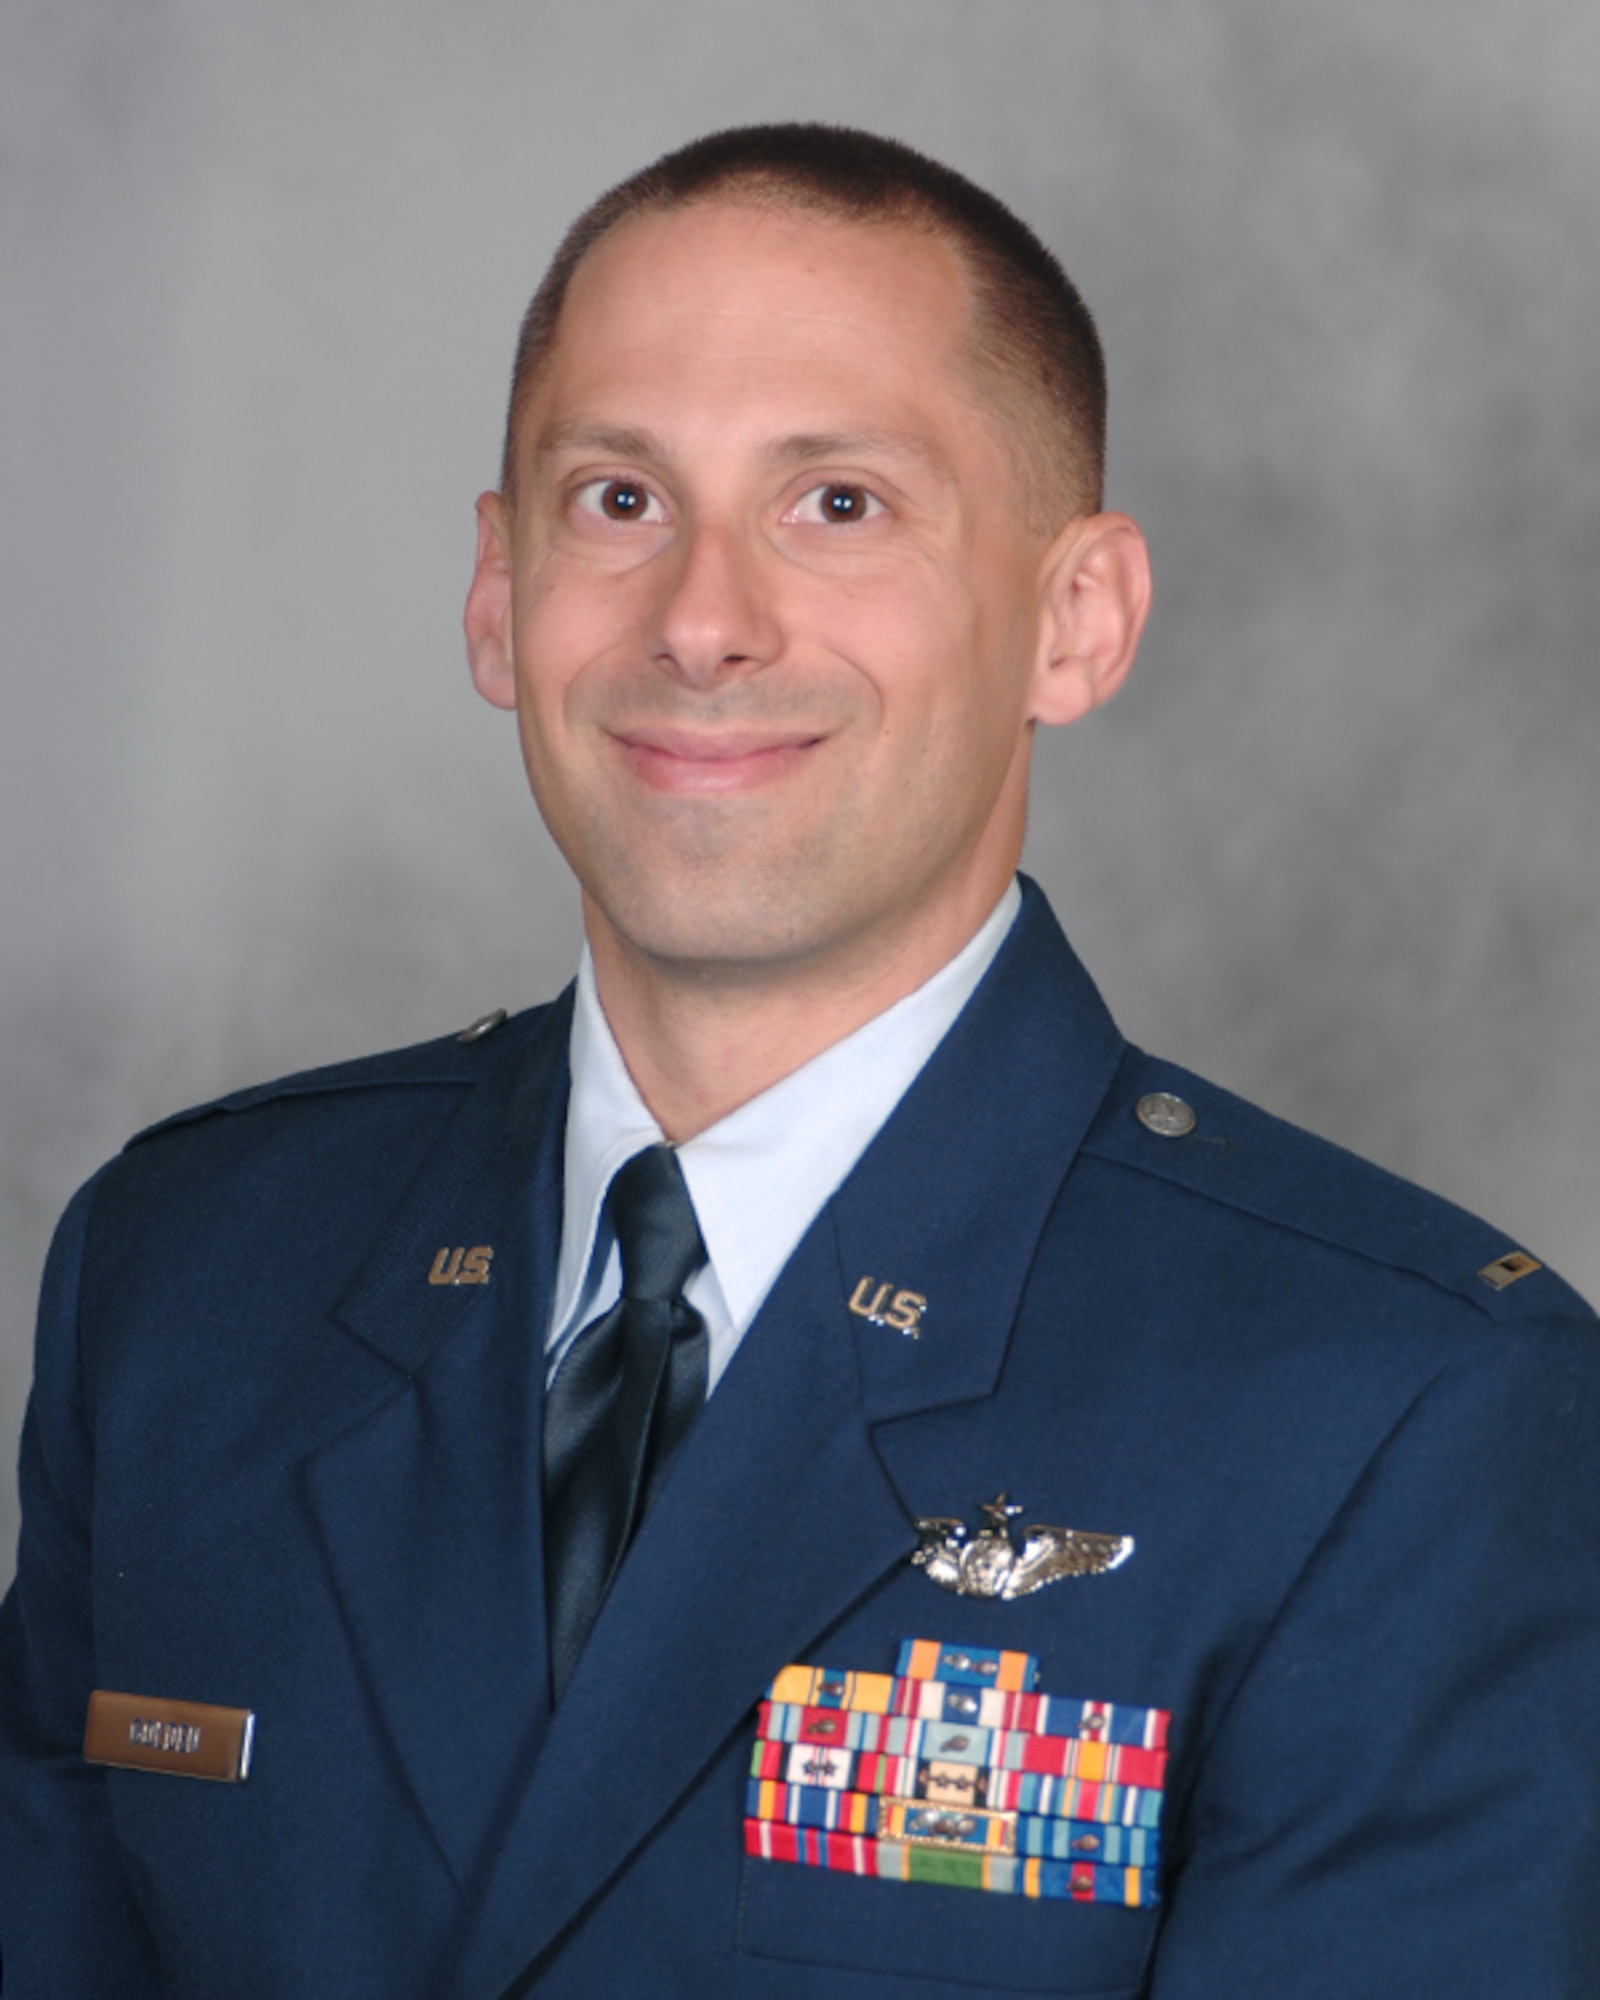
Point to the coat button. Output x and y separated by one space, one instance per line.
1165 1115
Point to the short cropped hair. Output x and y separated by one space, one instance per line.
1033 340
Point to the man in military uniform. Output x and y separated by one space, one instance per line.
807 1466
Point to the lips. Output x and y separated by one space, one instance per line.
705 762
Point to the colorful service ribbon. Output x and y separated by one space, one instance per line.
954 1770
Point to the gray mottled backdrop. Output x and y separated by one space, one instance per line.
259 269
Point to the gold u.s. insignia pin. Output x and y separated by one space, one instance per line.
1002 1561
462 1266
885 1305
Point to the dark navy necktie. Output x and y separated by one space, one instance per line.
623 1398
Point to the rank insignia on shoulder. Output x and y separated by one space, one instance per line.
996 1563
954 1770
1507 1269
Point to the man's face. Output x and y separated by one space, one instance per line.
767 605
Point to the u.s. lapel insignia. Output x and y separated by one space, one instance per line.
994 1563
883 1305
462 1266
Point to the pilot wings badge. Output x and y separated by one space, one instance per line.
1002 1561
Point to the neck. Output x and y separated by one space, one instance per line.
700 1040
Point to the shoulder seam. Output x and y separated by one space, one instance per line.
445 1062
1310 1187
257 1096
1289 1226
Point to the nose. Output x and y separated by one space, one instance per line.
715 617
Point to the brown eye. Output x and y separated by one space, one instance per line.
838 503
619 500
844 503
622 501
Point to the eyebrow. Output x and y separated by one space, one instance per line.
800 448
811 447
611 441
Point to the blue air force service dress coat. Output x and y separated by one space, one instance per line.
1323 1713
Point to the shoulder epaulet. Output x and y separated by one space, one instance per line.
451 1059
1162 1120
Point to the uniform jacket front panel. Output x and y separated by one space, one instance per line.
1112 1339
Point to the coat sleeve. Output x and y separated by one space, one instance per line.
1404 1796
69 1922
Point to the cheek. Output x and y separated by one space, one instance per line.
929 659
900 634
562 625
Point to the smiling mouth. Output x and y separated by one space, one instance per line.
694 762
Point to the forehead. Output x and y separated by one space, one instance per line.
765 302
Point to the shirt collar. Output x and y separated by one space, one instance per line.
760 1176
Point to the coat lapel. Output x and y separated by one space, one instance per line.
428 1508
950 1199
782 1511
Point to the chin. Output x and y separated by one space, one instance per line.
743 929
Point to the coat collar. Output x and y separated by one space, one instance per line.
949 1200
497 1166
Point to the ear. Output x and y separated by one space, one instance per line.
1094 596
487 619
